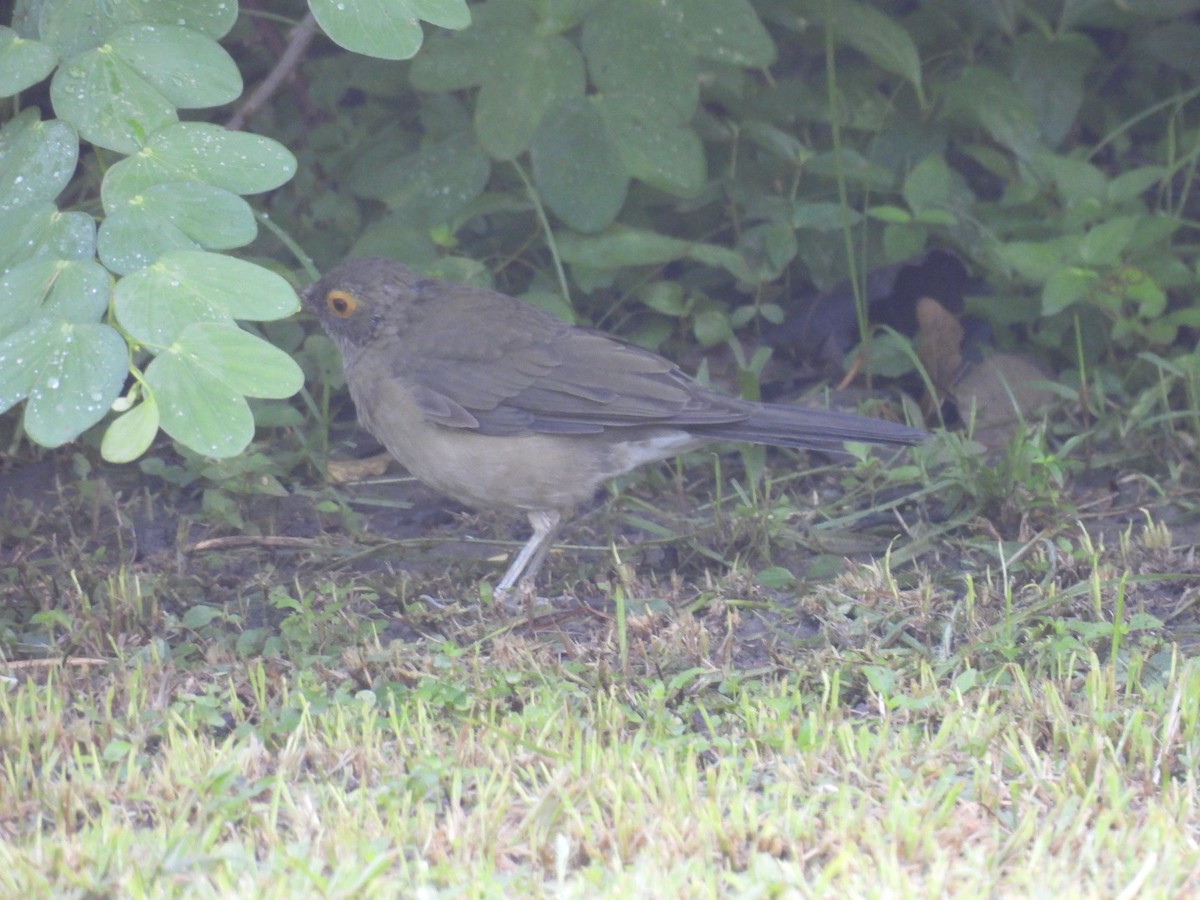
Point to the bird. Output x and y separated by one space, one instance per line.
500 404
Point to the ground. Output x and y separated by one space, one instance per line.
1013 630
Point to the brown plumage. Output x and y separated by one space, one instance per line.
500 404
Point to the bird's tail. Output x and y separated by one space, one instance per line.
806 428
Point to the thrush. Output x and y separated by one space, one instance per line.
500 404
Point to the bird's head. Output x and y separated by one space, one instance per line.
353 300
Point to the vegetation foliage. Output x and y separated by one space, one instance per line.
666 169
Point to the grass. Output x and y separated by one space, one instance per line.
494 781
1001 701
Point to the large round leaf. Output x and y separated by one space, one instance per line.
157 303
388 29
37 158
577 167
195 151
174 216
70 371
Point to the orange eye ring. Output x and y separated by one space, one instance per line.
341 304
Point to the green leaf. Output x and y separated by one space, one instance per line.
933 185
985 96
712 327
244 362
536 74
577 168
201 381
726 31
37 159
189 69
196 408
131 433
664 155
877 36
451 62
194 151
72 26
633 49
1104 244
893 215
23 63
1079 183
1132 184
431 185
621 247
70 371
552 302
157 303
103 96
1051 72
181 216
35 229
1141 289
776 141
386 29
45 286
665 297
1035 261
1065 288
823 216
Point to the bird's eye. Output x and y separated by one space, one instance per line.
341 304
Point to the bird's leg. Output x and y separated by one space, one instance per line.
533 554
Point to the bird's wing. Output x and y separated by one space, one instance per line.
537 374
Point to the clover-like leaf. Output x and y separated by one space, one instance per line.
196 408
46 286
23 62
188 68
577 167
654 149
37 159
202 380
113 106
70 371
180 216
196 151
131 433
635 49
537 73
155 304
